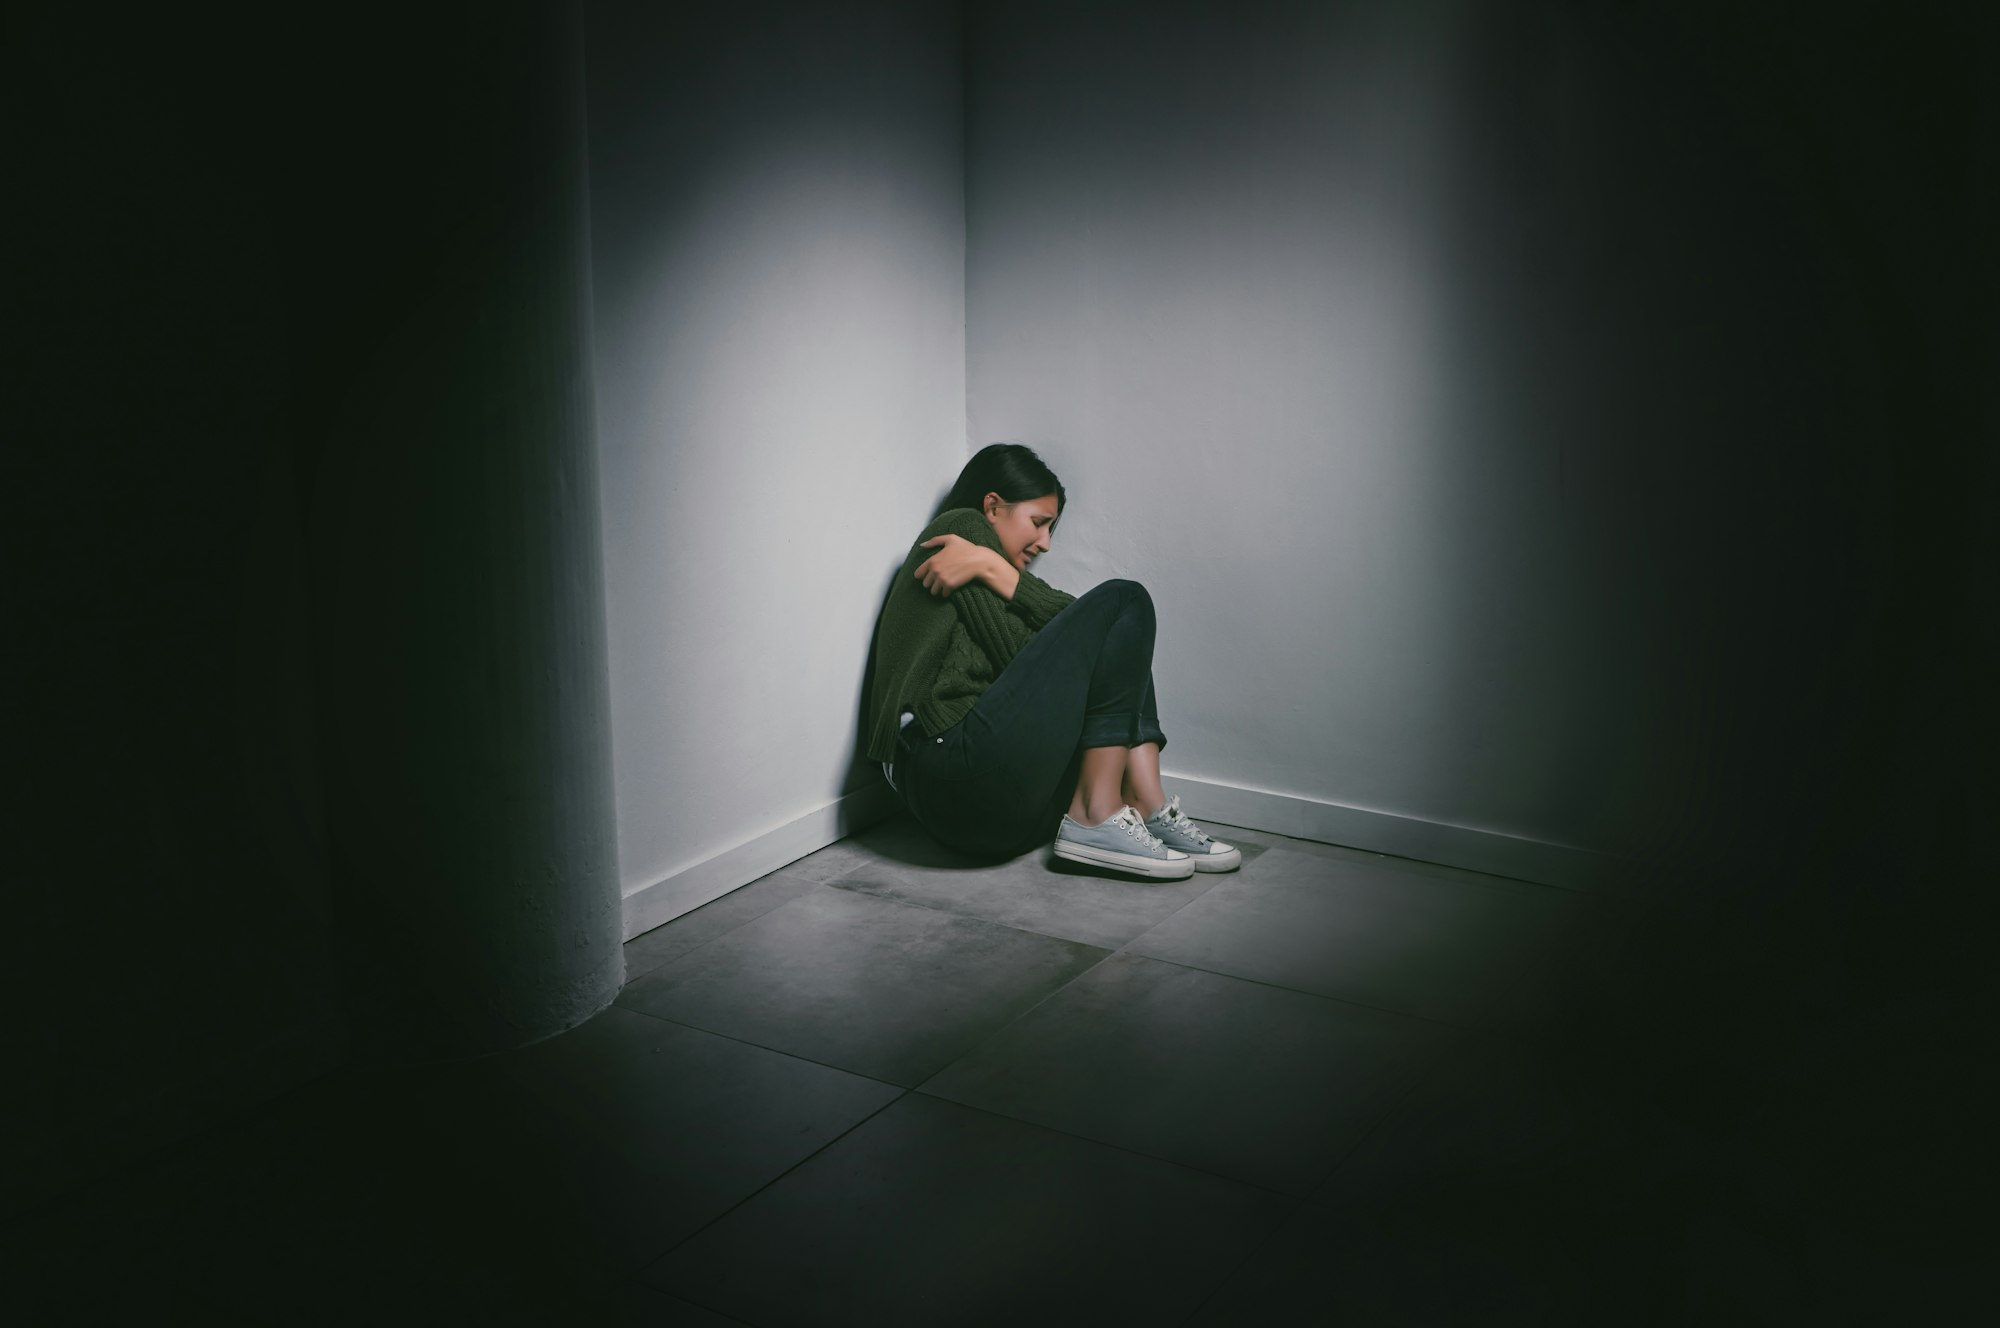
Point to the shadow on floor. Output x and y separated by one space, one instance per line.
892 1085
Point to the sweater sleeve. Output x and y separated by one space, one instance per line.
993 629
1036 601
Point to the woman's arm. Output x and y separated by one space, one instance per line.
958 569
959 562
1001 606
963 555
1035 601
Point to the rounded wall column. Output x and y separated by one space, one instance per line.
458 563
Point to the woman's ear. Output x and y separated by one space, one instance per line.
991 505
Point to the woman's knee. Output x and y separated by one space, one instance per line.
1129 594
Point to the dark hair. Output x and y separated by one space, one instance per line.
1008 469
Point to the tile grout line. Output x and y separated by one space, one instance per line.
1125 948
886 899
1434 870
1222 878
637 1281
918 1088
905 1091
1300 991
1428 1062
996 1032
1105 953
629 980
655 1261
1293 1202
775 1051
1129 1151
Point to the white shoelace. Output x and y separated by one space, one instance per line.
1175 817
1128 817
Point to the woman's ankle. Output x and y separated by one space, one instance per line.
1146 807
1086 815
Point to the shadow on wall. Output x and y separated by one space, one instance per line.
1671 388
862 771
315 628
1572 400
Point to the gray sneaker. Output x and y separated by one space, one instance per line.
1123 844
1171 827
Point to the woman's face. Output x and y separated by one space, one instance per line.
1023 527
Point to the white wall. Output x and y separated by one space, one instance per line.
1488 398
1426 365
1218 317
778 232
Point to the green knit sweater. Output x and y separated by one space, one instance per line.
936 656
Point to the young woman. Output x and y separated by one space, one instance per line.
1004 710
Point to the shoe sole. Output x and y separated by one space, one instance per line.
1158 869
1217 862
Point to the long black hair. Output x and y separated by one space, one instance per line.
1009 469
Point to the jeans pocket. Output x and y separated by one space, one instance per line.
948 759
954 756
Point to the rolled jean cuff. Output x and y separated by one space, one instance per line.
1120 731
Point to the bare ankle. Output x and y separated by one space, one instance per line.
1146 807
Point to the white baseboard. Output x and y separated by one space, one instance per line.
1400 836
653 905
1460 846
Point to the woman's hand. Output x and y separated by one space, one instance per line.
957 562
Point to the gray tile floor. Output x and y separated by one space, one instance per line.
888 1085
1118 1102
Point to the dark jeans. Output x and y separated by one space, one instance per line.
998 781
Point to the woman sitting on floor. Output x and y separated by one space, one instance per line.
1003 709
